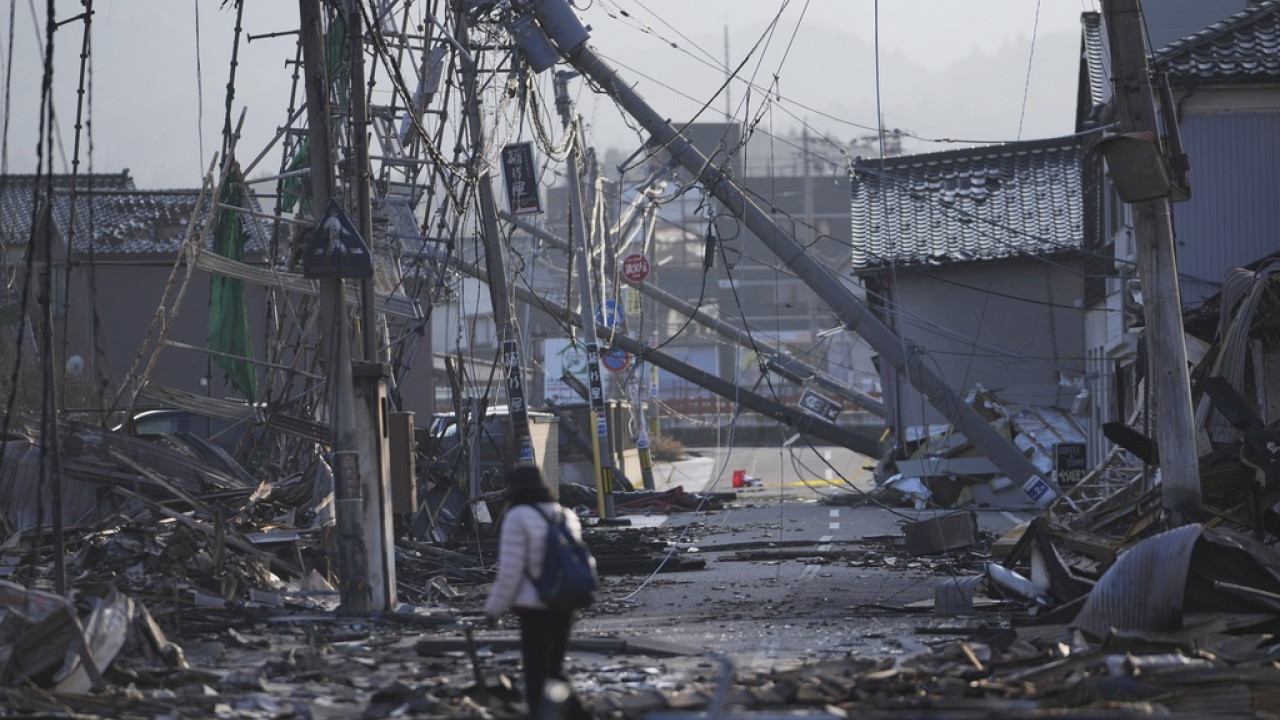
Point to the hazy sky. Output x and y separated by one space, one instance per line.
947 69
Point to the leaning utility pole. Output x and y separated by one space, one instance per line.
578 231
1157 266
353 568
570 37
504 323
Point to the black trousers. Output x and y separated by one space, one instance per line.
544 636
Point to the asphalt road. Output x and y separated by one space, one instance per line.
790 577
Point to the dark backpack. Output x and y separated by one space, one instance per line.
568 580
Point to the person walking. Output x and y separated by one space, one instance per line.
544 632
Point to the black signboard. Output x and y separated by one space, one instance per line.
521 176
515 399
336 249
1070 463
820 405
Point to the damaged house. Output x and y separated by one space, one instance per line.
975 255
967 272
120 251
1223 90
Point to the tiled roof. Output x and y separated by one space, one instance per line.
1094 52
1244 47
113 216
985 203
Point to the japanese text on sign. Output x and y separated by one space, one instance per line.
520 174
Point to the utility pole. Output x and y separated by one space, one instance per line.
369 378
360 158
1157 266
577 224
335 341
504 323
571 42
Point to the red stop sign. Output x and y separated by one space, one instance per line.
635 267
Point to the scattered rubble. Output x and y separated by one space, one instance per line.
198 590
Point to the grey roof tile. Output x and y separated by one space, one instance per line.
985 203
1094 54
1242 48
113 217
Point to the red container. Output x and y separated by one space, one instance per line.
739 478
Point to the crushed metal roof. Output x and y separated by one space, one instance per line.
985 203
1242 48
112 216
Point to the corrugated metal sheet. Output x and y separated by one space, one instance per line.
1233 217
1144 590
1187 570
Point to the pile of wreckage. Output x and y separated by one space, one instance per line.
170 531
1096 608
1115 609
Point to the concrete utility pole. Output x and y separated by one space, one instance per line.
360 156
578 232
504 323
571 42
370 378
1157 266
352 561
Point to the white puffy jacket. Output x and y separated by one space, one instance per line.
521 547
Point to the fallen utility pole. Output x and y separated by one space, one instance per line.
556 18
776 359
803 422
1157 265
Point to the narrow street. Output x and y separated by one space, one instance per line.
792 576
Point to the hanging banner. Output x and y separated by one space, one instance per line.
521 176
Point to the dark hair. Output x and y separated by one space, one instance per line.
525 485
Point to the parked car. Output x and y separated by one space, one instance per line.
443 447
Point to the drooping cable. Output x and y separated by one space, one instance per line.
199 85
1031 56
8 86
